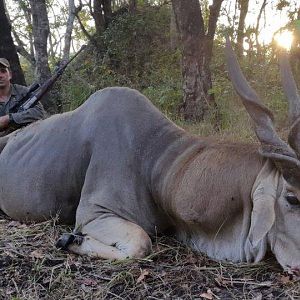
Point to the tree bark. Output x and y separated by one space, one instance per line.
295 47
20 45
263 6
244 4
214 12
197 44
174 36
102 14
7 47
69 29
91 37
40 29
132 6
98 16
107 11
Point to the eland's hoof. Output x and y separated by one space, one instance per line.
68 238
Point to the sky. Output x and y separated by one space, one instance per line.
275 19
271 20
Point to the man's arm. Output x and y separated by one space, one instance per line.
23 118
28 116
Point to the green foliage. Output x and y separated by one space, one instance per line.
296 24
78 92
204 5
263 75
165 97
164 85
136 53
85 18
132 40
24 4
282 4
74 89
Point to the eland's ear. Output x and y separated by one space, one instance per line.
262 218
263 212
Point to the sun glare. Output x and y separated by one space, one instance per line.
284 39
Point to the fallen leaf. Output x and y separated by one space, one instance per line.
185 286
163 273
85 288
258 296
221 281
22 226
37 254
89 282
191 259
144 273
207 295
285 279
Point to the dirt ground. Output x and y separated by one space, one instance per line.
32 268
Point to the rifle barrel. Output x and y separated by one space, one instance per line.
33 98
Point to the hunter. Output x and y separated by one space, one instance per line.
9 95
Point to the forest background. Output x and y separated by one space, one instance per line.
148 45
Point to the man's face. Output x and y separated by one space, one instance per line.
5 76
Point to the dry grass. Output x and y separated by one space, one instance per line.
32 268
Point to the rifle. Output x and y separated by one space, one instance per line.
36 91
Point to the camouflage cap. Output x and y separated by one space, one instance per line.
4 62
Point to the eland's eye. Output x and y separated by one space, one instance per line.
292 199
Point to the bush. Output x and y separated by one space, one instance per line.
137 55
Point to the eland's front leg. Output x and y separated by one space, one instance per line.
112 237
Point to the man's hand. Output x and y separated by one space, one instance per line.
4 122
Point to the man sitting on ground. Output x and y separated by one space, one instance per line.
9 95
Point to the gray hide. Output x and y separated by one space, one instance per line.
127 171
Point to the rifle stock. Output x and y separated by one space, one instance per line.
24 98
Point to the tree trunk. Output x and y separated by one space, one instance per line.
132 6
101 14
69 29
41 32
98 16
295 47
214 12
7 47
244 4
263 6
40 29
107 11
196 56
174 36
20 45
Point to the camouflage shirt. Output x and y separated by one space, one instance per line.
25 117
